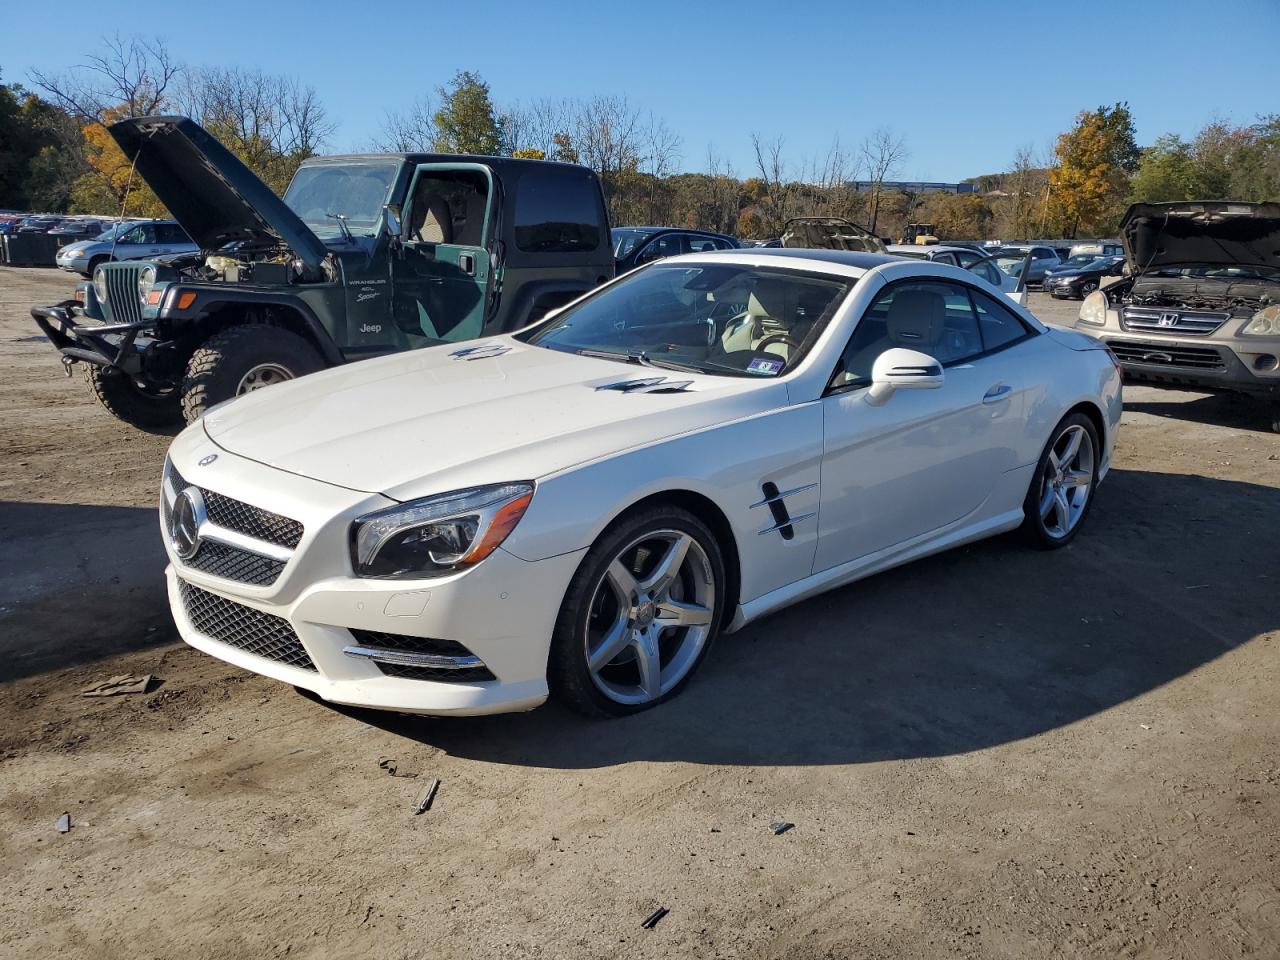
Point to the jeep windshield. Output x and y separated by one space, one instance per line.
710 318
355 190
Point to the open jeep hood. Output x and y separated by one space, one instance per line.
214 196
829 233
1201 232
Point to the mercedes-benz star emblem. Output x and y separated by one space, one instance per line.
205 461
185 520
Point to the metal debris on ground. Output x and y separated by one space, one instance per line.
64 823
392 766
428 794
780 827
651 921
125 683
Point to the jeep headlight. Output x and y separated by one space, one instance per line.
146 280
439 534
1094 309
1264 323
100 285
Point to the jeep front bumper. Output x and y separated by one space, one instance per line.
106 345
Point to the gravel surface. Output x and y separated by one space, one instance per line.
994 753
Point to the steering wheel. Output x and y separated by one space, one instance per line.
776 338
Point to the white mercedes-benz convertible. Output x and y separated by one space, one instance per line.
581 507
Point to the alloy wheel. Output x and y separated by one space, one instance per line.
1067 481
651 614
263 375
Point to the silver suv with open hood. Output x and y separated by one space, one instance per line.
1200 305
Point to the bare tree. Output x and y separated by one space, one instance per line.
882 153
773 171
411 131
661 152
130 74
725 192
534 126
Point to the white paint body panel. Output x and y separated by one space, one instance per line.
927 470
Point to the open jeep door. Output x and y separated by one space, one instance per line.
829 233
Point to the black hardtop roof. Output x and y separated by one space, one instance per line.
489 161
848 258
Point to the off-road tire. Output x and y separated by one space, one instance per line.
219 364
567 673
1033 528
126 401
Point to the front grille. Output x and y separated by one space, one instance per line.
252 521
1167 355
1195 323
261 634
122 291
221 560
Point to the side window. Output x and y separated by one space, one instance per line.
557 213
667 245
172 233
133 235
999 325
703 244
986 271
925 315
967 260
947 258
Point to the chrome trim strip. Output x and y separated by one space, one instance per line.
406 658
231 538
789 522
783 493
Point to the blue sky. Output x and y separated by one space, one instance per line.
966 84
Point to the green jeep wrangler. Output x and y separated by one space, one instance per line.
365 255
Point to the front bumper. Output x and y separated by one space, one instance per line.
77 264
106 345
1194 362
503 610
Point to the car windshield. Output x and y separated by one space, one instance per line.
356 190
115 228
711 318
626 239
1082 260
1010 263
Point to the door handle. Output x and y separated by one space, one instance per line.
997 393
467 263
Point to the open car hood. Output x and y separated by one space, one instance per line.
829 233
1201 232
214 196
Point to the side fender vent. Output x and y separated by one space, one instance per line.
648 385
775 499
482 352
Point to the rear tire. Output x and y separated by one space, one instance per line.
1061 491
240 359
664 632
127 401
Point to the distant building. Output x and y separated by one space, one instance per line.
913 186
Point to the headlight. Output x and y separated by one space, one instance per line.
1094 309
1264 323
437 535
100 285
146 280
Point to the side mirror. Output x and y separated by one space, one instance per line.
391 221
901 369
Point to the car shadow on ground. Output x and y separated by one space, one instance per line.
1217 409
78 583
970 649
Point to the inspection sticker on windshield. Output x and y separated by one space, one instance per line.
764 367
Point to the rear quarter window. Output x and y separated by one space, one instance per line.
557 212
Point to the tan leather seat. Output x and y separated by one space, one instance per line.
432 219
771 312
917 320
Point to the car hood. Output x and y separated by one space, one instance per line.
492 411
1201 232
829 233
212 195
67 249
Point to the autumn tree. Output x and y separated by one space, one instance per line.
1096 159
466 121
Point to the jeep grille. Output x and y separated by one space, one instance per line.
123 303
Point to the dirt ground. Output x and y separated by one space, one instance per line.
1054 755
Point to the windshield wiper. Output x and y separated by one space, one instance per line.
342 224
640 358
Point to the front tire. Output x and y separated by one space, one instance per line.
241 359
640 614
1061 490
128 401
1087 288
